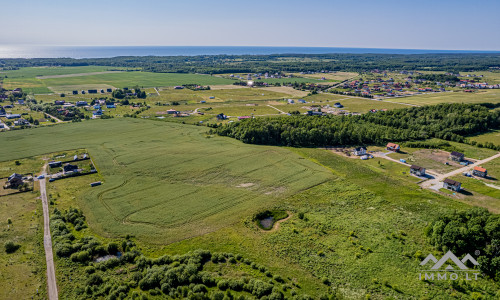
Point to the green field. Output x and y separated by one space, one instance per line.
142 79
483 96
165 182
22 273
26 78
490 137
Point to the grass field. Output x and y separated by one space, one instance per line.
22 273
490 137
142 79
26 78
165 182
483 96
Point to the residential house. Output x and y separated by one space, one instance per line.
359 151
21 122
59 102
393 147
110 106
15 180
92 91
314 113
109 90
13 116
416 170
221 116
480 172
55 164
452 185
81 103
338 105
172 111
75 92
457 156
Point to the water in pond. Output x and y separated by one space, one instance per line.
267 223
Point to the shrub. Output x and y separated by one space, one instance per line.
223 284
11 247
94 279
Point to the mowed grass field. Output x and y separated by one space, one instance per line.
481 96
165 182
27 79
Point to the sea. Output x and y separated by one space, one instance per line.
13 51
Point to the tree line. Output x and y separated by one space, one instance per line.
451 122
218 64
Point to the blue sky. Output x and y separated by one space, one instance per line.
417 24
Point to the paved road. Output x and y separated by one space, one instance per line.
436 181
47 242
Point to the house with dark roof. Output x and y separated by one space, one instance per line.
480 172
452 185
417 170
359 151
15 180
457 156
55 164
393 147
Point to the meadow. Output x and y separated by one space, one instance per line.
165 182
481 96
59 79
22 273
490 137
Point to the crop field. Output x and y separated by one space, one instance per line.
165 182
363 232
483 96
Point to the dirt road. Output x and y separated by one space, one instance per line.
47 242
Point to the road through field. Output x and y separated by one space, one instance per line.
47 242
433 182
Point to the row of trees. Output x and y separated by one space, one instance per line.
446 121
216 64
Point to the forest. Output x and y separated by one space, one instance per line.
218 64
445 121
467 232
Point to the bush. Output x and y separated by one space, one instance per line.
11 247
94 279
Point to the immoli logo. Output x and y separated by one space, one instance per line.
449 267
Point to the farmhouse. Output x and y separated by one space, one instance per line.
452 185
15 180
457 156
393 147
416 170
480 172
359 151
